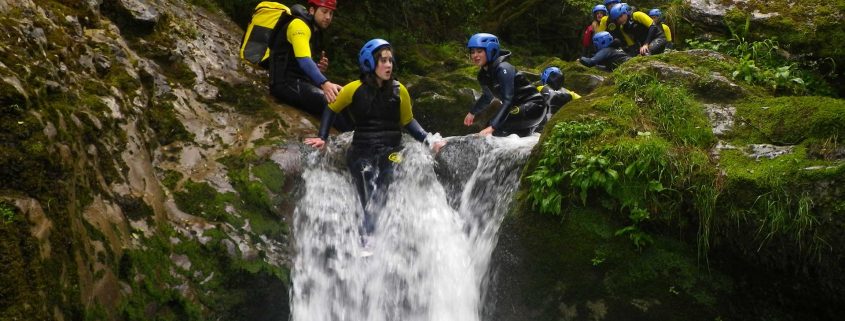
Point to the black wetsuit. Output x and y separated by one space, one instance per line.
379 114
523 108
609 58
289 82
643 31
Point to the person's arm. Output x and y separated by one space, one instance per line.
598 59
504 75
343 100
299 36
483 102
406 118
602 25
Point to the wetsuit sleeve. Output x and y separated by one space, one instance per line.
406 115
574 95
653 30
326 122
416 130
483 101
504 75
344 97
299 36
598 59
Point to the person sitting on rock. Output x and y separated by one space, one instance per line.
599 12
523 109
552 89
295 78
638 30
380 106
656 15
608 57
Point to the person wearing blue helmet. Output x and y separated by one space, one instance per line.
640 32
656 15
599 12
381 107
551 88
608 57
523 108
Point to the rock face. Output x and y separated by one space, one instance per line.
140 173
750 178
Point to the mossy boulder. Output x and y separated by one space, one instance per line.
640 160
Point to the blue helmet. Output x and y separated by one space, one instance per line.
655 12
602 40
552 77
366 59
618 10
599 7
608 3
489 42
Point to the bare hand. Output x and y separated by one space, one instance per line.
469 119
644 50
323 65
330 89
315 142
438 145
486 131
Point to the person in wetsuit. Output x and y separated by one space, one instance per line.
295 78
551 88
656 15
608 57
380 106
523 108
641 34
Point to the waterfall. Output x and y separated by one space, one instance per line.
432 241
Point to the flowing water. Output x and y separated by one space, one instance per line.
432 242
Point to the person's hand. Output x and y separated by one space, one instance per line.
323 65
438 145
469 119
644 50
330 89
315 142
486 131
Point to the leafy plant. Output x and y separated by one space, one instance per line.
7 213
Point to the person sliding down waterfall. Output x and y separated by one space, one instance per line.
380 105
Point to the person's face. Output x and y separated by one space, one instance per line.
599 15
322 16
478 56
384 64
622 19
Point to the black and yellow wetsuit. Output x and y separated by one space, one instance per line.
638 31
294 75
556 98
379 114
523 108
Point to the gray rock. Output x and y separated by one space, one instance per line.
721 118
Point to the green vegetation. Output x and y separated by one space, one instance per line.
7 213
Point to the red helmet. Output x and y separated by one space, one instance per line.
331 4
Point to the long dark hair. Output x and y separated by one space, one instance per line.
370 78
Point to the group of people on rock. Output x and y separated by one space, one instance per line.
377 106
621 32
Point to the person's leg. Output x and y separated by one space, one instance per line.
657 46
309 98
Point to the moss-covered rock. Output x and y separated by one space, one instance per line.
642 148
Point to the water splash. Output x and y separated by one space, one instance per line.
431 249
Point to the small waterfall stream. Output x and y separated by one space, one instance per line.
432 242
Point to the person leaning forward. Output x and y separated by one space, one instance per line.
523 109
295 78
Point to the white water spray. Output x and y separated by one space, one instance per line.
429 260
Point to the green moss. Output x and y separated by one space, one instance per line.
202 200
790 120
162 119
245 97
135 208
21 275
171 179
